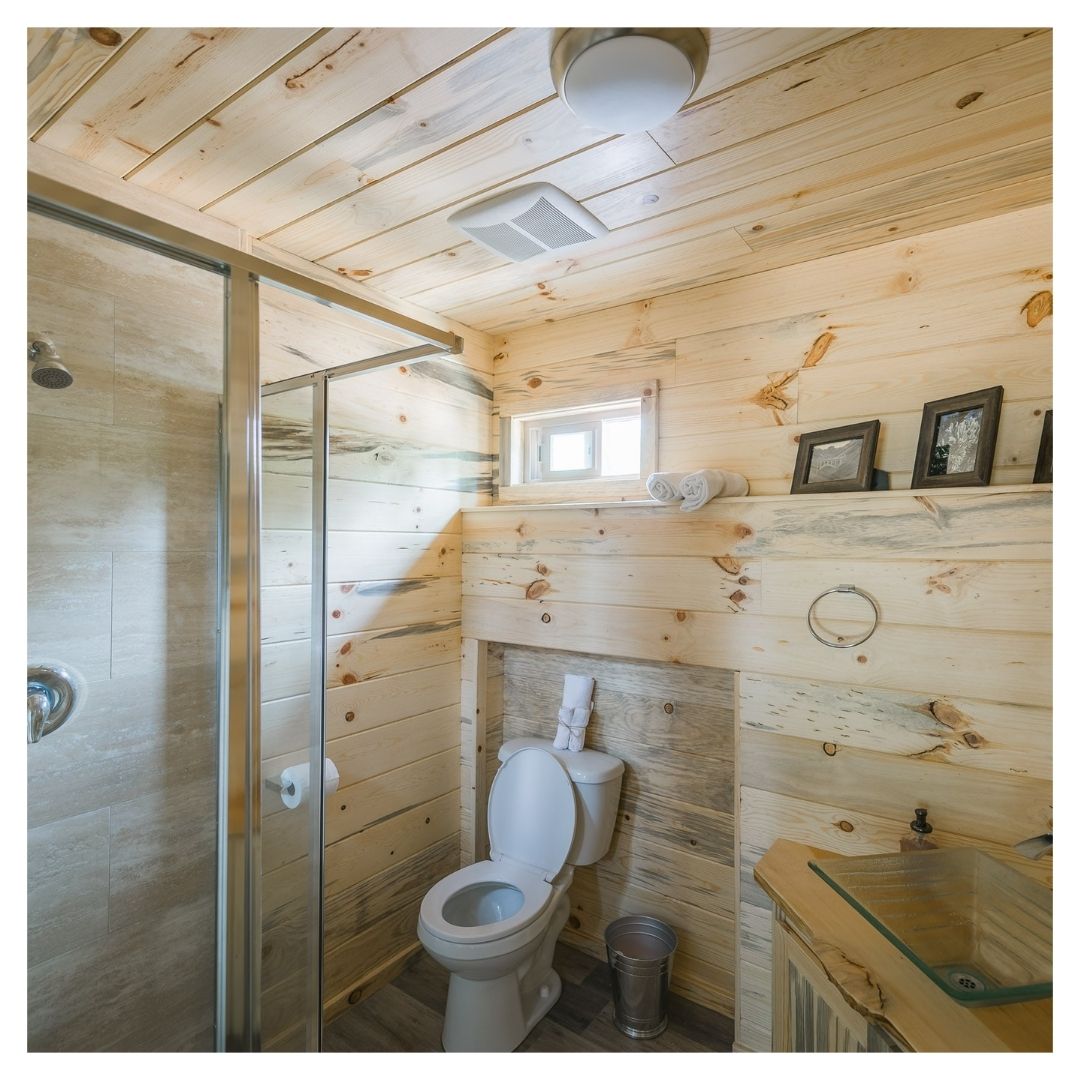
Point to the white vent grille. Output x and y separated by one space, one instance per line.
529 220
551 226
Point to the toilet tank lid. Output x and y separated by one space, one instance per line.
584 766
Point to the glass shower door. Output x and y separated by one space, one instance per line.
126 370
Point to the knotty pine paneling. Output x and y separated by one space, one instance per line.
408 452
748 366
673 850
946 706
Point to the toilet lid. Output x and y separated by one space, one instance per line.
532 812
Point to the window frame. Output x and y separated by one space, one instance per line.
525 429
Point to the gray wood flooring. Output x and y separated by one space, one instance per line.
406 1016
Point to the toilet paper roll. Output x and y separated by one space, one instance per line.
296 783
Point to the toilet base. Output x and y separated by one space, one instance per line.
490 1016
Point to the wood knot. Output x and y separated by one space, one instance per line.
336 613
974 740
106 36
574 922
737 597
669 708
347 647
819 349
845 826
861 659
537 589
356 995
546 617
743 531
680 616
969 99
829 748
1038 307
535 383
647 392
728 565
350 716
348 678
542 569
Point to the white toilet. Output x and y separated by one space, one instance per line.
493 925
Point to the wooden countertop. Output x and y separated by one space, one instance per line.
877 980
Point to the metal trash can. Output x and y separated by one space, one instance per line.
639 950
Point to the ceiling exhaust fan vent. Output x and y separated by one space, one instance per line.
529 220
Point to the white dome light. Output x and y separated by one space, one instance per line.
622 80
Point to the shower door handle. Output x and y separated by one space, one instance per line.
52 693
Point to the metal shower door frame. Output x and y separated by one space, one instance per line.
239 922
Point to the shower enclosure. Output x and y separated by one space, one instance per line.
196 483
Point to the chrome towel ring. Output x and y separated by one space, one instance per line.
843 589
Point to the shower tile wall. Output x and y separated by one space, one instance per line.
122 576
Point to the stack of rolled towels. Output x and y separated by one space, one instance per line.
574 712
694 489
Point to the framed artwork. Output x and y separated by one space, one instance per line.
957 440
1044 464
836 459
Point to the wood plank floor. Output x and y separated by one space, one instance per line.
407 1015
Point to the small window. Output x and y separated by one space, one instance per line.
583 444
608 440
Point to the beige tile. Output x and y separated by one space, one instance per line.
69 609
169 368
134 735
164 611
98 487
150 988
67 894
79 322
162 852
75 256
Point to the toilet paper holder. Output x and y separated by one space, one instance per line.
275 784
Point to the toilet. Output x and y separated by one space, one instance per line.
493 925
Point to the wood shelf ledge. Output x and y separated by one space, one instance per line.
935 494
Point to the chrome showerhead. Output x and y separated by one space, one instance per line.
47 370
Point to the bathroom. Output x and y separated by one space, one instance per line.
491 490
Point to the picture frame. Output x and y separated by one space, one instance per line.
1044 463
836 459
957 438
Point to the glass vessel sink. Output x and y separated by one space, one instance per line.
980 929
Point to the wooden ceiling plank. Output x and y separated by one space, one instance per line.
345 73
750 208
517 147
1008 165
740 53
599 168
580 296
987 81
500 78
969 252
167 79
1004 76
60 61
854 68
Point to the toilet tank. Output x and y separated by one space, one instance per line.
597 779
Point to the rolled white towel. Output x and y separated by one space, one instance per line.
574 713
705 484
664 486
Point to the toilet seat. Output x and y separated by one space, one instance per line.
532 814
535 893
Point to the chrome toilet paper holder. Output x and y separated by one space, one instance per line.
275 784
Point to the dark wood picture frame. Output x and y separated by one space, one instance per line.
1044 463
867 431
989 400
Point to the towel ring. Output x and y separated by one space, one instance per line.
843 589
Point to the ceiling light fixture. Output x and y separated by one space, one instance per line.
623 80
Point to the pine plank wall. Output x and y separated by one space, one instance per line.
946 706
409 450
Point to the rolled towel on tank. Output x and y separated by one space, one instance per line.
664 486
700 487
574 713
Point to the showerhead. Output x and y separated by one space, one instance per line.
47 370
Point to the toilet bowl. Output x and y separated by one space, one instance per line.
493 925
